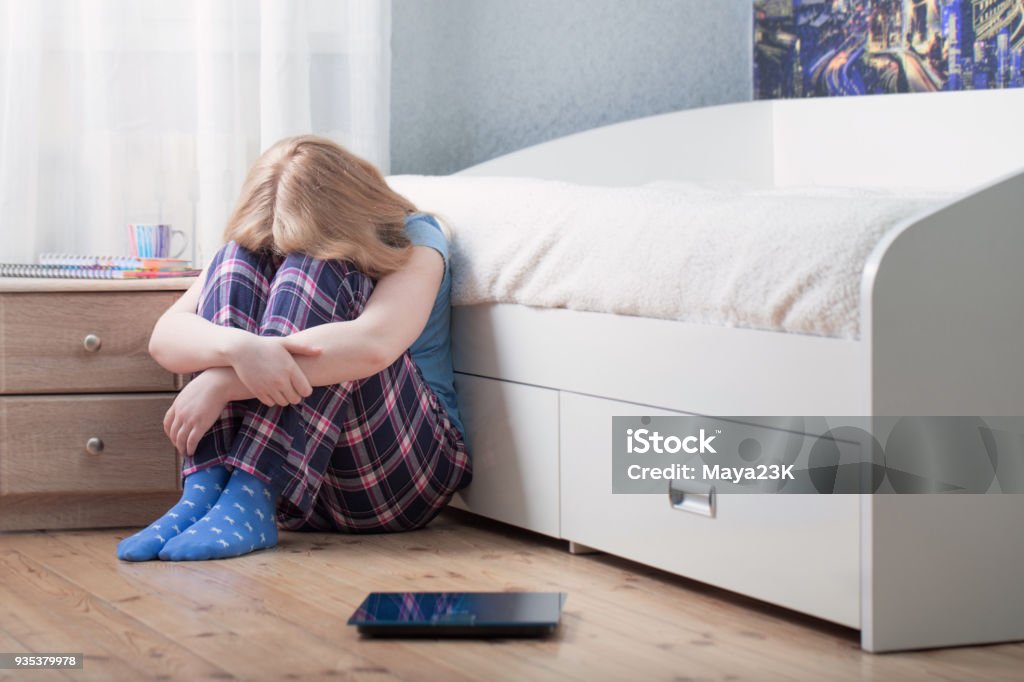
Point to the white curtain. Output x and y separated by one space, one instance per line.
151 111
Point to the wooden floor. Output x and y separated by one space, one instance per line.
280 615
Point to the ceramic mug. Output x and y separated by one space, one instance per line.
154 241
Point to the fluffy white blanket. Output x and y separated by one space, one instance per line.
779 259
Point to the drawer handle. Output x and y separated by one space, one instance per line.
94 445
92 343
687 498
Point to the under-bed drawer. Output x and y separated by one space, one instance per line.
799 551
81 342
85 444
512 436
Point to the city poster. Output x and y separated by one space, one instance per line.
822 48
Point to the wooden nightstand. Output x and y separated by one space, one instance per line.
82 404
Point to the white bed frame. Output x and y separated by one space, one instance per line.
942 325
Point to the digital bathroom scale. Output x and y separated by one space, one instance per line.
459 614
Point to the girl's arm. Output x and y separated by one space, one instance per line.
396 313
394 317
183 342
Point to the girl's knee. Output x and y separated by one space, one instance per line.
263 261
315 283
232 258
328 270
236 287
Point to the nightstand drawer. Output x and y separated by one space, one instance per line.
81 342
85 444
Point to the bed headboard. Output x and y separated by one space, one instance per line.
949 141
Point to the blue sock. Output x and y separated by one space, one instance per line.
241 521
198 495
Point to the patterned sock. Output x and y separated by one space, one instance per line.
241 521
199 492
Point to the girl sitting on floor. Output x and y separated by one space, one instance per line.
324 398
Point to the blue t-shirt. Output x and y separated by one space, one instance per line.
432 351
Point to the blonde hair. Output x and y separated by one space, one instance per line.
309 195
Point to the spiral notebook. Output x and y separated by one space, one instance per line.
69 266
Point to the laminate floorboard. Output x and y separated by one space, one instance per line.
280 615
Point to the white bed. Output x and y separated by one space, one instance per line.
780 259
940 322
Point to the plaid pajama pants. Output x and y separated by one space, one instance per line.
373 455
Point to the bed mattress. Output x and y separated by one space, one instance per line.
784 259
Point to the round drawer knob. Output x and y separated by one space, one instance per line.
94 445
92 343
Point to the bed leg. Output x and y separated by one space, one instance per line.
578 548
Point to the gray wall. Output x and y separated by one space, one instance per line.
474 79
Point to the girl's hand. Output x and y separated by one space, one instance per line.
196 408
266 366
